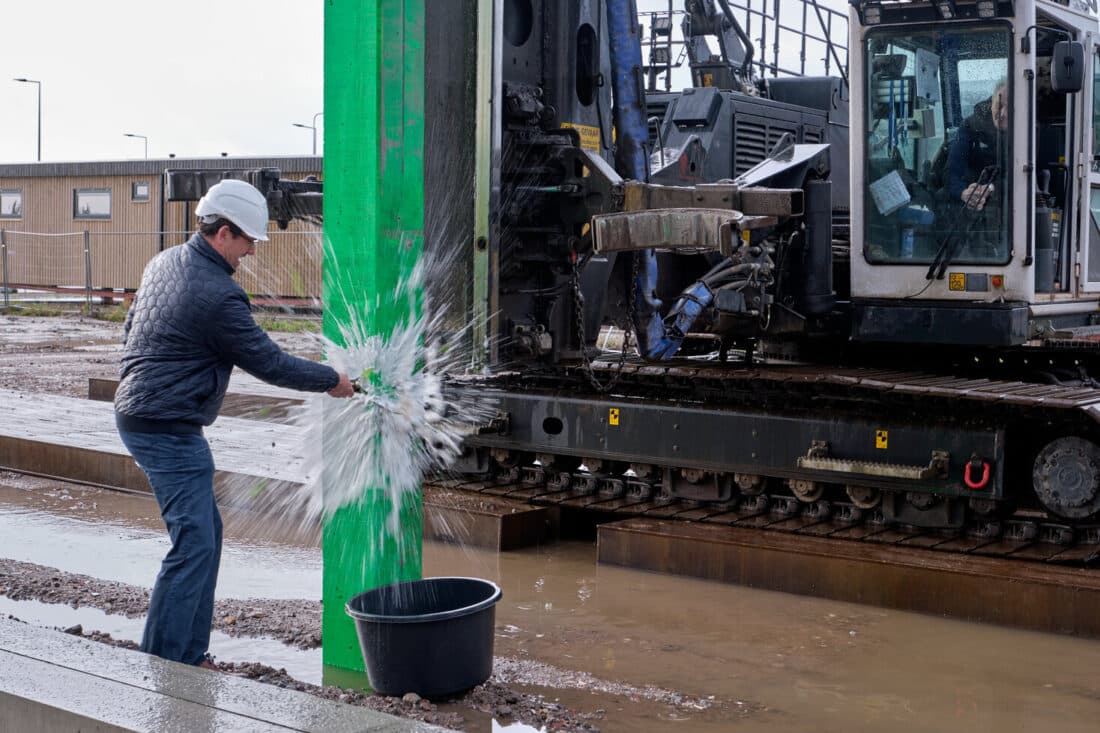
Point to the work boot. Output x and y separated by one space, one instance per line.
208 663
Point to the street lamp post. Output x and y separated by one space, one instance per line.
39 85
145 139
310 127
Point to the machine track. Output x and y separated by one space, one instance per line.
1024 410
1026 539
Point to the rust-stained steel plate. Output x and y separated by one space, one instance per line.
924 540
700 513
666 510
892 536
962 544
488 522
858 531
972 588
1001 548
794 524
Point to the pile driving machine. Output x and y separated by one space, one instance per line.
918 345
933 368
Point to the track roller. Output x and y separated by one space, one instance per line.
1066 477
864 497
558 463
806 491
750 484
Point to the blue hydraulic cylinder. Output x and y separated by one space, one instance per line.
679 320
632 159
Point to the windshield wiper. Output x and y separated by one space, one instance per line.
950 245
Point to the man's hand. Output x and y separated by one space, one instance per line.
976 194
343 388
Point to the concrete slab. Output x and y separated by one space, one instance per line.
247 397
50 681
1027 595
75 440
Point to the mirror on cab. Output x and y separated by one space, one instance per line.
1067 67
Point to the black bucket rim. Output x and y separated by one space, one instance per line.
492 600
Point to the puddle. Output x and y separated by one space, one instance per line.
108 347
602 637
516 728
35 330
132 554
302 665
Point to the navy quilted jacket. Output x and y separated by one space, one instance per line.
189 325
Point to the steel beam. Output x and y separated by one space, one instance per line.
373 233
1027 595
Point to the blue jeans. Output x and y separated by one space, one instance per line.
180 468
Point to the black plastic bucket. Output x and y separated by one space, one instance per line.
433 636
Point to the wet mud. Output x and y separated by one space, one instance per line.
293 622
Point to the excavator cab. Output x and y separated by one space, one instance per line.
967 118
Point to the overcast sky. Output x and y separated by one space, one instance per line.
197 77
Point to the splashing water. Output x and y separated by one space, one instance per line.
405 425
402 426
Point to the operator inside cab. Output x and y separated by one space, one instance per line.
938 146
969 171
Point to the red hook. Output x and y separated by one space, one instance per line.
971 483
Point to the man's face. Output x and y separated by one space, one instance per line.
236 247
1000 108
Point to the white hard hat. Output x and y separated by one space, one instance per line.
240 203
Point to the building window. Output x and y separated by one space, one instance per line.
92 203
139 191
11 203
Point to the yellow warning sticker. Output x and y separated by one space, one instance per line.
590 136
882 439
956 281
613 416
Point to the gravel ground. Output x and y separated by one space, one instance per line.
293 622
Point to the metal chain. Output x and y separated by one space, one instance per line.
578 310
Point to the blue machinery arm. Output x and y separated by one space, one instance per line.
631 159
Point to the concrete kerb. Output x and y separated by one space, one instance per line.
50 681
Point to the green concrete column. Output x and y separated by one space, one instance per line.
374 221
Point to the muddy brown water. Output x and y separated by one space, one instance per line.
760 660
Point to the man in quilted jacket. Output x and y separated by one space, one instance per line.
189 325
